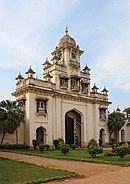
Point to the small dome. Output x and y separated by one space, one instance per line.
105 90
46 62
66 39
30 71
94 87
19 76
86 68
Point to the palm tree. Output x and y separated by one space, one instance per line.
11 115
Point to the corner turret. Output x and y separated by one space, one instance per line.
30 73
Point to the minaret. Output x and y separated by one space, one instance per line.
30 73
48 77
19 78
105 91
86 69
46 64
66 30
94 88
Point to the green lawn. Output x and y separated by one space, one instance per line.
79 155
12 172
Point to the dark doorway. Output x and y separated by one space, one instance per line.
69 130
102 135
73 128
40 134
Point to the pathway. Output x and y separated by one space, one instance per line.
90 173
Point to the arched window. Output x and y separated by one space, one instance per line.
122 135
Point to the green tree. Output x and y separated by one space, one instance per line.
116 121
11 115
127 111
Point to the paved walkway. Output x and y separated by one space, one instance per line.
90 173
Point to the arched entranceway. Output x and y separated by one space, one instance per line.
73 128
102 135
122 135
40 134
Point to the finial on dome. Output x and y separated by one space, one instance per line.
66 30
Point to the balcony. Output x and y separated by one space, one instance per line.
41 112
74 63
85 91
64 86
75 88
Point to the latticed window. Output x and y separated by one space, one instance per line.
63 82
75 83
84 88
102 112
41 106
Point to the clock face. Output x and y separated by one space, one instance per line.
73 55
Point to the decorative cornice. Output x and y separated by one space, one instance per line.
61 95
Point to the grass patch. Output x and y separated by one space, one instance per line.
78 155
19 172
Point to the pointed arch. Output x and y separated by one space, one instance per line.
122 135
40 134
73 123
102 135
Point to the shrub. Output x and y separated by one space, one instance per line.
92 142
114 146
56 143
47 146
120 143
61 140
41 147
128 149
14 146
73 146
35 143
122 151
128 142
94 149
113 141
64 148
125 144
110 154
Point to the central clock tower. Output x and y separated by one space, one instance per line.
65 67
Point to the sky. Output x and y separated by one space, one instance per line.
31 29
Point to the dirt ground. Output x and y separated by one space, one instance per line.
90 173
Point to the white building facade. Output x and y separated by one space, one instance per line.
62 105
124 133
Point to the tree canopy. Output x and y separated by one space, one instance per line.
127 111
11 115
116 121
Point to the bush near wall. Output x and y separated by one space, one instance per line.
64 148
14 146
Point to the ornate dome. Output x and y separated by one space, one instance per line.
66 39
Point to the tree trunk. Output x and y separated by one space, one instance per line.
16 136
3 138
117 135
110 136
